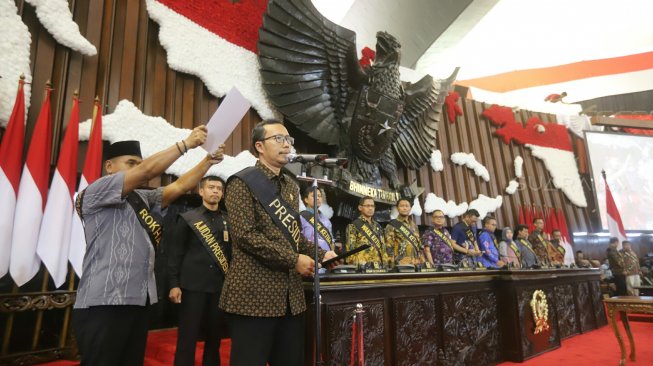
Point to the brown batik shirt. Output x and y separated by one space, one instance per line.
262 280
540 247
400 249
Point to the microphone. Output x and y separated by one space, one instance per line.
306 158
341 162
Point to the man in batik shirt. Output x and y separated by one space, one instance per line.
364 230
402 237
631 264
439 247
540 244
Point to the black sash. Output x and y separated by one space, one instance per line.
406 233
281 212
527 245
443 237
515 249
367 232
543 242
146 219
470 236
472 239
196 220
79 201
540 238
321 229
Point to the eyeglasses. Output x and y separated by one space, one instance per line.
279 139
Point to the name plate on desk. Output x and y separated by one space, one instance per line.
427 269
405 268
375 270
343 268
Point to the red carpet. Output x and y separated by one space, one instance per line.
161 345
160 351
598 347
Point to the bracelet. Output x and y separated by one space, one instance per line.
185 147
178 148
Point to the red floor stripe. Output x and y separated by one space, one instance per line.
598 347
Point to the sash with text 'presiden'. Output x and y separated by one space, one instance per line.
281 212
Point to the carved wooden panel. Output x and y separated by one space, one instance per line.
566 311
585 307
599 309
339 318
416 331
533 344
36 301
471 329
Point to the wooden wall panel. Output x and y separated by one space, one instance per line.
473 134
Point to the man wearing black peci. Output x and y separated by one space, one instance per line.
110 316
197 263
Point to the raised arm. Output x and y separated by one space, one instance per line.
156 164
191 178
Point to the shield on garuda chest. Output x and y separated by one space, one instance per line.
373 125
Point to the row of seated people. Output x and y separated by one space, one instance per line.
400 243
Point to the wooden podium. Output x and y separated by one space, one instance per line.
446 318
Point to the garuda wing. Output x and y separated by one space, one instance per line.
417 127
308 66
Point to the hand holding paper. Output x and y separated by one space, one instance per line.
225 119
217 156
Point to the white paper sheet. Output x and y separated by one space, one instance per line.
225 119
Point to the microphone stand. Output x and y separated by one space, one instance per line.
317 301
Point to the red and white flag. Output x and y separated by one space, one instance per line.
11 156
32 193
54 238
90 173
615 226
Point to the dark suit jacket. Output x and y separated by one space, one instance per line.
190 266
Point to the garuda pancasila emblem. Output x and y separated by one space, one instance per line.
540 309
311 74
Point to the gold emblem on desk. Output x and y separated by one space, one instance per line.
540 309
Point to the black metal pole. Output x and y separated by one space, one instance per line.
316 277
316 281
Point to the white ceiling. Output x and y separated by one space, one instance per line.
488 37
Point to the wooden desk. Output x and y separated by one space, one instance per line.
624 305
453 318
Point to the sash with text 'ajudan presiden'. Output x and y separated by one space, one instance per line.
204 232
